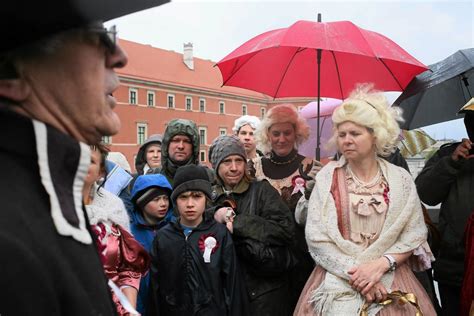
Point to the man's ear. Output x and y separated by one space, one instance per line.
16 89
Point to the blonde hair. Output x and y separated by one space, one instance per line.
370 108
282 113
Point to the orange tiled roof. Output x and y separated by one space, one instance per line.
155 64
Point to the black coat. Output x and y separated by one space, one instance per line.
450 183
183 284
263 232
43 272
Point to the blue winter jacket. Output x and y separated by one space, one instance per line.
143 232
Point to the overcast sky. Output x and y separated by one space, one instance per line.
428 30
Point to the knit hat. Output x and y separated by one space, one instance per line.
224 146
147 187
191 178
149 195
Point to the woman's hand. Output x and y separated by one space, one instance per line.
378 293
366 275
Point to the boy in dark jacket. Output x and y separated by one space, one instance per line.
151 211
194 266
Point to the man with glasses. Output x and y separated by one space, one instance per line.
57 77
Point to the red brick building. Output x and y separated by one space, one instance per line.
159 85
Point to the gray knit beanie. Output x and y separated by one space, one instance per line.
224 146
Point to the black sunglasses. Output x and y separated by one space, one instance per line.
108 37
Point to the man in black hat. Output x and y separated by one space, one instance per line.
448 178
57 77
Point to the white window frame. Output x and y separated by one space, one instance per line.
149 92
168 101
204 105
201 154
190 103
221 103
205 135
145 136
130 91
222 131
244 109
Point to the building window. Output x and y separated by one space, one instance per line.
141 133
244 109
221 107
132 96
189 104
151 98
202 155
107 140
171 101
202 136
223 131
262 112
202 105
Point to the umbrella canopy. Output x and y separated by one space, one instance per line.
309 112
437 94
307 147
327 106
290 62
283 62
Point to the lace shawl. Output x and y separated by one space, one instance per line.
404 230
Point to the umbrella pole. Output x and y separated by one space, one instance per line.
318 136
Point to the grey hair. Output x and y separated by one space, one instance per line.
251 120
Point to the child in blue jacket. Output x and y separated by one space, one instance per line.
151 211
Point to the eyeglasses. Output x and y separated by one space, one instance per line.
108 37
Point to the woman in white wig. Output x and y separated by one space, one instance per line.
365 227
279 134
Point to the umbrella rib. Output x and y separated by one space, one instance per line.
234 71
300 49
338 74
391 73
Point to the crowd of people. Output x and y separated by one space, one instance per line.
262 231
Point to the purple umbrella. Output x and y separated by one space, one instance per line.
309 112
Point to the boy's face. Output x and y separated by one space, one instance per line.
191 206
157 208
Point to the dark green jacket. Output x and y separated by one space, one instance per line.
450 183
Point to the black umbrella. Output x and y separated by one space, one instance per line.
437 94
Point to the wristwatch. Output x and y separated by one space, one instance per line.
392 262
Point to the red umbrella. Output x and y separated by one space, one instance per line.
284 62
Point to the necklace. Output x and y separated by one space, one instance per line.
283 162
362 184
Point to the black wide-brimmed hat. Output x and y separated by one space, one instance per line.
24 21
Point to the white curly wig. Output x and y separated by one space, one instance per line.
282 113
370 108
251 120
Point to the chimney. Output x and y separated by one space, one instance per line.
188 55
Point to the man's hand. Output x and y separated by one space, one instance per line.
462 151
